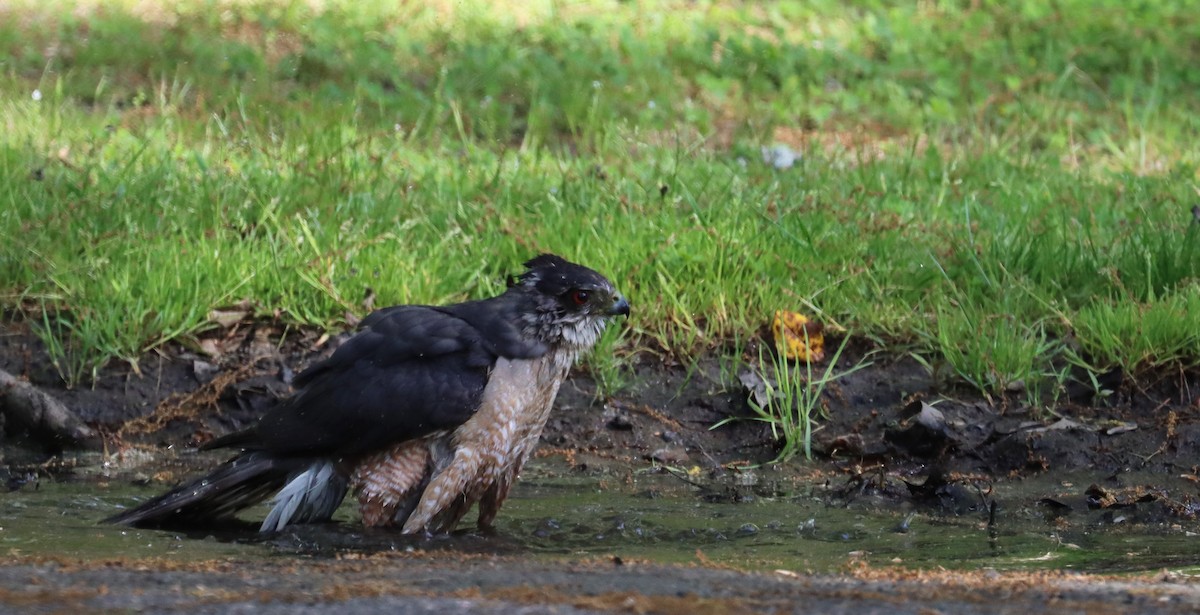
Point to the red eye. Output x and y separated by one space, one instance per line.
580 297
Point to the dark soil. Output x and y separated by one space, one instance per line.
877 442
874 433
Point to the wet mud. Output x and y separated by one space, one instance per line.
419 583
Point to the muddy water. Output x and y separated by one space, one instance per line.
655 517
663 522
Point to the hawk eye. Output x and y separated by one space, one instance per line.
580 297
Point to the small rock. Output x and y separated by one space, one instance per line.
670 455
781 157
617 418
204 371
923 433
286 374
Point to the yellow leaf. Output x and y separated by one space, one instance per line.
797 337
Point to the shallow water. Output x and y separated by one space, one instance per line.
648 516
660 520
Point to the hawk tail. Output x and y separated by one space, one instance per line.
309 496
311 491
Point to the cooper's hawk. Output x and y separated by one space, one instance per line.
424 412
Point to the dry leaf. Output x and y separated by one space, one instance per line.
226 318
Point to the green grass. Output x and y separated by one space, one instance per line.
1004 190
794 392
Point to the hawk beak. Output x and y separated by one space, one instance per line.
620 307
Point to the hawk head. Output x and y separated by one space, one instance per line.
571 302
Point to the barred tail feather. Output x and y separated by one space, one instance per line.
236 484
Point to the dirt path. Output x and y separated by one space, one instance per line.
427 583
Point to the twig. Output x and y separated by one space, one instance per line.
45 416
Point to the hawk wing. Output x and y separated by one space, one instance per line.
410 371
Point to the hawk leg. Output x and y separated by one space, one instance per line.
493 498
452 491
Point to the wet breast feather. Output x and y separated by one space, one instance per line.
431 483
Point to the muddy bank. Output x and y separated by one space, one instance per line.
874 421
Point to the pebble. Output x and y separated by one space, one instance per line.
670 455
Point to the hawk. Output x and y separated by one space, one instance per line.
425 412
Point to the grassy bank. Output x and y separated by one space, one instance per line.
1005 190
